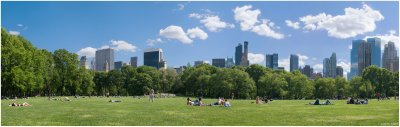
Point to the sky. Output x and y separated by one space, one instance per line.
191 31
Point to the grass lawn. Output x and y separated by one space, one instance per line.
173 111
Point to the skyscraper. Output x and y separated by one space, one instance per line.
219 62
329 69
364 56
104 59
390 59
229 63
83 62
307 70
154 58
134 61
376 51
354 57
245 61
294 62
197 63
238 54
271 61
339 71
118 65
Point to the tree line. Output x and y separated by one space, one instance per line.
30 71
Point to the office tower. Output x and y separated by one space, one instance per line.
229 63
134 61
294 62
238 54
245 61
307 70
390 59
326 67
83 62
271 61
376 51
329 69
93 65
219 62
154 58
354 57
364 56
197 63
104 59
339 71
118 65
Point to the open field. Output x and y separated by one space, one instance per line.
173 111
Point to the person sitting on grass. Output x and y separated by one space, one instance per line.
115 100
315 103
258 100
23 104
189 102
227 103
328 102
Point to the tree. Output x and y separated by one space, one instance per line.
274 85
324 88
299 86
142 84
342 87
360 88
256 71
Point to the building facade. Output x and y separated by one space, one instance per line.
84 63
229 63
354 57
294 62
118 65
104 60
238 54
134 61
364 56
245 61
154 58
339 71
307 70
376 51
271 61
219 62
390 59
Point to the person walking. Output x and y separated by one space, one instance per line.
151 95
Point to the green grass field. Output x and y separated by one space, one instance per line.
173 111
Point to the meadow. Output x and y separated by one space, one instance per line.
174 111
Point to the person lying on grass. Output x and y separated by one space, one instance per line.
327 102
115 100
23 104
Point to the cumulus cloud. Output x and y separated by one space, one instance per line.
256 58
20 25
345 65
294 25
175 32
392 36
13 32
284 63
123 45
212 22
249 21
88 52
152 42
355 21
318 68
302 59
181 6
197 33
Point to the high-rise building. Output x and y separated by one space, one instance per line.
83 62
197 63
281 68
271 61
229 63
354 57
245 61
294 62
93 64
219 62
376 51
329 66
104 59
118 65
238 54
339 71
390 59
364 56
307 70
134 61
154 58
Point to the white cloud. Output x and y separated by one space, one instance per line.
354 22
392 36
175 32
256 58
123 45
214 23
181 6
14 32
20 25
247 18
318 68
294 25
104 47
302 59
284 63
88 52
195 15
152 42
345 65
265 30
249 21
197 33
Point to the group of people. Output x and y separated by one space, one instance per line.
23 104
198 102
317 102
352 101
260 100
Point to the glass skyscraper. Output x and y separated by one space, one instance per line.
376 51
238 54
154 58
104 59
271 61
354 57
219 62
294 62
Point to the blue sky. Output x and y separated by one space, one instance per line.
190 31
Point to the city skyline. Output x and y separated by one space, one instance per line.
202 30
